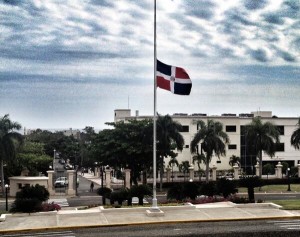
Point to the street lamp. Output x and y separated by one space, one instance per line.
6 197
54 159
289 182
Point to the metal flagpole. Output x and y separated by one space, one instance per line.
154 200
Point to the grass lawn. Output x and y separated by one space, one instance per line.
288 204
273 188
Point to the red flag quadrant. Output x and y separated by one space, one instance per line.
174 79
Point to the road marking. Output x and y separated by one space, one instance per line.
287 224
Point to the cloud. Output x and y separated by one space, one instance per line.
255 4
259 55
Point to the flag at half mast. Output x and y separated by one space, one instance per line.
174 79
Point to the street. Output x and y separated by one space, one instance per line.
265 228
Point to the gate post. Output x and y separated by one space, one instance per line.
71 190
51 189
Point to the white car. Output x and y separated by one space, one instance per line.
61 182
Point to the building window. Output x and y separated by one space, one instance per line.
187 146
232 147
280 147
185 128
230 128
281 130
218 162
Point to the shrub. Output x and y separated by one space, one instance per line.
176 192
140 191
208 189
27 205
191 190
250 182
119 196
226 187
30 199
105 193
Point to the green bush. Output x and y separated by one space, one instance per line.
39 192
226 187
105 193
140 191
208 189
191 190
176 192
119 196
30 199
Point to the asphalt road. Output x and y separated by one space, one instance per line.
265 228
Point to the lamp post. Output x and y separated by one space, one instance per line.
54 159
289 182
6 196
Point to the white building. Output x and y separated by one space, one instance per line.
234 127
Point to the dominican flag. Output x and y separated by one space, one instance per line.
174 79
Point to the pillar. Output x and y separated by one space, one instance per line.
108 177
51 190
71 190
192 173
214 173
257 169
298 170
279 170
127 178
236 171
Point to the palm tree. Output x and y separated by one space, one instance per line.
173 161
262 137
9 140
168 139
295 138
199 158
213 141
234 160
184 167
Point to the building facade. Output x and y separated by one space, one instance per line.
234 126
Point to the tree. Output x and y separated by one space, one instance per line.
184 167
9 141
234 160
169 138
295 138
173 161
213 140
262 137
128 145
199 158
268 169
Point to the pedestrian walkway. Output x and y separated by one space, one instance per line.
63 202
119 216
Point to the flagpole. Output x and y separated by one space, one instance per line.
154 199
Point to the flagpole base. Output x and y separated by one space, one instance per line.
154 210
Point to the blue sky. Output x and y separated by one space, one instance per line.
70 63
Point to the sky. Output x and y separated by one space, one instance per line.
70 64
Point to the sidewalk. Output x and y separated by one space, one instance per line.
120 216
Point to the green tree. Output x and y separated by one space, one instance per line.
295 138
184 167
234 160
199 159
169 138
262 137
9 141
268 169
128 145
213 140
173 161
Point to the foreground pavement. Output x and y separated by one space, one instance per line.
68 219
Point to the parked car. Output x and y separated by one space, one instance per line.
61 182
